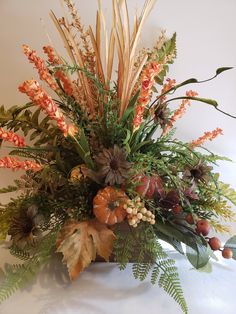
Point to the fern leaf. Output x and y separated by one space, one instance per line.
141 270
16 276
8 189
227 191
155 274
124 247
21 254
169 281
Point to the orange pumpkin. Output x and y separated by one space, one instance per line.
108 205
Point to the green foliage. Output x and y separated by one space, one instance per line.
8 189
19 253
6 213
227 191
166 55
148 256
198 251
123 249
21 118
83 149
16 276
111 130
38 154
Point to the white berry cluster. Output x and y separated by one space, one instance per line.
137 212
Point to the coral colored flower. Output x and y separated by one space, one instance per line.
207 136
67 86
147 84
180 111
170 83
15 164
53 58
41 67
10 136
38 95
72 130
148 75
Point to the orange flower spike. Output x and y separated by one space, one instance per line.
207 136
10 136
41 67
53 58
38 95
147 83
15 164
67 86
180 111
170 83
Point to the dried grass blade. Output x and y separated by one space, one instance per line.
100 72
145 12
63 36
110 58
137 73
82 76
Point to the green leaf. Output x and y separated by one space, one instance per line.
130 108
208 101
198 251
206 269
196 81
128 136
223 69
35 116
172 241
231 243
83 149
199 256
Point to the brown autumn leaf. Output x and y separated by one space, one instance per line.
80 242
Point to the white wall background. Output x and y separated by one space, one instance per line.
206 41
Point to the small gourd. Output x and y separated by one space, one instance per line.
108 205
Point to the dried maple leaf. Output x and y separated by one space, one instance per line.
80 242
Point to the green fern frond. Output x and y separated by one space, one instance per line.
166 274
124 247
227 191
9 189
150 258
16 276
38 155
19 253
155 274
141 270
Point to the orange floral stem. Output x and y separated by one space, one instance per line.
207 136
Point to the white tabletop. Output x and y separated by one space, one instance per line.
103 289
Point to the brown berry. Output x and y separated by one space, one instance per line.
214 243
177 209
227 253
189 219
203 227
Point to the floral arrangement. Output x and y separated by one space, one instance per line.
104 174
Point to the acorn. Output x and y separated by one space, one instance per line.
214 243
203 227
227 253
